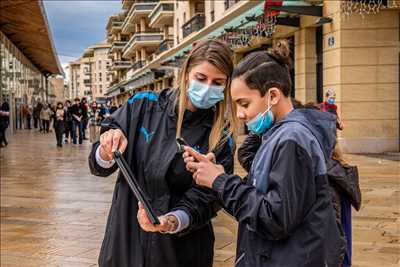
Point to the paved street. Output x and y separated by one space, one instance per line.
53 211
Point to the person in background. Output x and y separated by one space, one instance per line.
25 117
52 117
85 116
36 116
59 123
113 107
45 116
4 122
76 113
104 112
68 121
29 117
329 105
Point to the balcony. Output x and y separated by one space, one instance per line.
116 26
165 45
139 9
163 14
126 4
196 23
142 39
120 65
117 45
138 64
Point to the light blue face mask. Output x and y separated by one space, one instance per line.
331 101
204 96
262 122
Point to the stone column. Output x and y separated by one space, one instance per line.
305 64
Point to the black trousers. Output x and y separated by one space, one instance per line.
3 139
35 122
46 125
59 130
68 129
28 122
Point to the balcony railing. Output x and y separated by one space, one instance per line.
147 36
144 39
126 4
118 45
116 26
120 64
168 7
141 6
165 45
196 23
138 64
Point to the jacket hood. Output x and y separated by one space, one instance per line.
321 124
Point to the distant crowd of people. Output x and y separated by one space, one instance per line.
69 120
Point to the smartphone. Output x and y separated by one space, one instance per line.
181 143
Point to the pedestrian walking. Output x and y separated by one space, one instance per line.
146 127
59 123
4 122
36 116
85 117
68 121
76 113
45 116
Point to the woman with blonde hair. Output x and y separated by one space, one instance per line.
145 131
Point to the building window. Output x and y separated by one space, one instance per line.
184 17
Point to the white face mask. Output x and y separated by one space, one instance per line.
204 96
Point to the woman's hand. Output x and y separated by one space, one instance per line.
111 141
167 223
205 171
187 157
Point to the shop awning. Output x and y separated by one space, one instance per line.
24 22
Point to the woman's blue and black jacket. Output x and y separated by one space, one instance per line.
149 122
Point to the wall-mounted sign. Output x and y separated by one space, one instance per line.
331 41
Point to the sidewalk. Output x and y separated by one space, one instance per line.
53 212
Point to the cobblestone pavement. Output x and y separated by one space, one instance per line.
53 212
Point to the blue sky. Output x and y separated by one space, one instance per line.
76 25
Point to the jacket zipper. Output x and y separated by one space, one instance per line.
240 258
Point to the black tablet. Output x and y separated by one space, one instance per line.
133 184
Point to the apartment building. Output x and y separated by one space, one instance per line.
349 46
88 75
139 33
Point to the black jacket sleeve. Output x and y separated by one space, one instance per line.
247 151
290 193
124 119
200 203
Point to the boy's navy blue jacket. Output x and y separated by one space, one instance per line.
148 120
284 206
